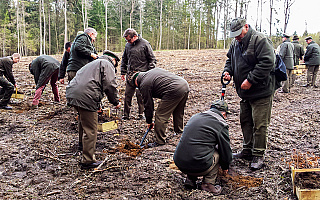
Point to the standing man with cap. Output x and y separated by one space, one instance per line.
298 53
204 147
137 57
7 82
251 60
173 92
312 60
84 93
287 55
82 52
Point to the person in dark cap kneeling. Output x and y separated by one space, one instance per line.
204 147
85 92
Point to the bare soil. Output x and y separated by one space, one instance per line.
307 180
39 157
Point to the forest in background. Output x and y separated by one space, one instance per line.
34 27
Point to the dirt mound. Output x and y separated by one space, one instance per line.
130 148
239 181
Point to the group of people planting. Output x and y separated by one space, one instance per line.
204 146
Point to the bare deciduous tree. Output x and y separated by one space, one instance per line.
287 5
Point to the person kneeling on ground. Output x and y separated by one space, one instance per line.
85 92
7 82
44 68
173 92
204 147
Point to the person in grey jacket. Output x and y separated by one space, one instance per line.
7 82
251 61
298 54
287 55
82 52
44 68
137 57
84 93
312 60
204 147
173 92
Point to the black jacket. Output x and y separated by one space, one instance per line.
298 52
80 52
63 65
312 56
137 57
91 82
159 83
252 59
204 134
6 69
42 67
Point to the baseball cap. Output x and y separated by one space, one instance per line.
220 105
236 26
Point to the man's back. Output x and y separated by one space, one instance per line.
204 133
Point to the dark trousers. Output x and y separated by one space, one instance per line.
129 92
255 119
6 91
71 75
166 107
312 74
88 122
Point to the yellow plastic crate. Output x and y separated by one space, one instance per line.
108 126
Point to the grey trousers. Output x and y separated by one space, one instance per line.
312 74
129 92
6 91
287 84
165 109
88 122
71 75
255 119
210 175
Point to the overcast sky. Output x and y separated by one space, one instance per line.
302 11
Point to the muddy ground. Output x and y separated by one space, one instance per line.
39 157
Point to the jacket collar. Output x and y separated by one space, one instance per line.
137 40
246 39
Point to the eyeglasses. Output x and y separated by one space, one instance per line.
129 40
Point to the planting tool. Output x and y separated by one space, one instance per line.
224 85
145 135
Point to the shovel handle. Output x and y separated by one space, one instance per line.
224 83
144 136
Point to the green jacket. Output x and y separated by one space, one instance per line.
80 52
312 56
252 59
287 53
204 134
298 52
6 69
92 81
159 83
43 67
137 57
